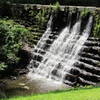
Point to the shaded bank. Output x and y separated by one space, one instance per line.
23 86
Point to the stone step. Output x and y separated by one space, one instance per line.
88 75
93 47
87 68
83 82
91 78
90 62
37 30
92 51
94 39
53 36
38 58
89 55
84 72
36 38
35 64
76 78
37 34
39 50
92 43
35 41
90 66
68 83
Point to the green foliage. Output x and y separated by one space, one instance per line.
96 24
37 17
96 31
2 66
85 12
41 18
12 37
56 6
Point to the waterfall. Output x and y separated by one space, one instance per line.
63 52
45 35
41 43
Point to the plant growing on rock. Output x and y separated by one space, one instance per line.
41 18
96 30
12 37
56 6
85 12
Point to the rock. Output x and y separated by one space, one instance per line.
13 77
22 84
23 71
27 48
3 86
26 87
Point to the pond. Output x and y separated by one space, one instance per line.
23 86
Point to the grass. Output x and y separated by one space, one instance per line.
73 94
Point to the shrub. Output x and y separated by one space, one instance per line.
12 37
56 6
85 12
96 30
41 18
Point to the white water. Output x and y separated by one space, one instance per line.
41 43
63 53
45 36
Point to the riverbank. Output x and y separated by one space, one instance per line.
75 94
23 86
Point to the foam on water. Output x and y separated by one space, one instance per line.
63 52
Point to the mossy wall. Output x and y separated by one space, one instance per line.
96 27
38 16
35 19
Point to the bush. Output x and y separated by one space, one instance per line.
12 37
41 18
56 6
96 31
85 12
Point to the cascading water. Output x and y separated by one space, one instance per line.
41 43
45 35
63 52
